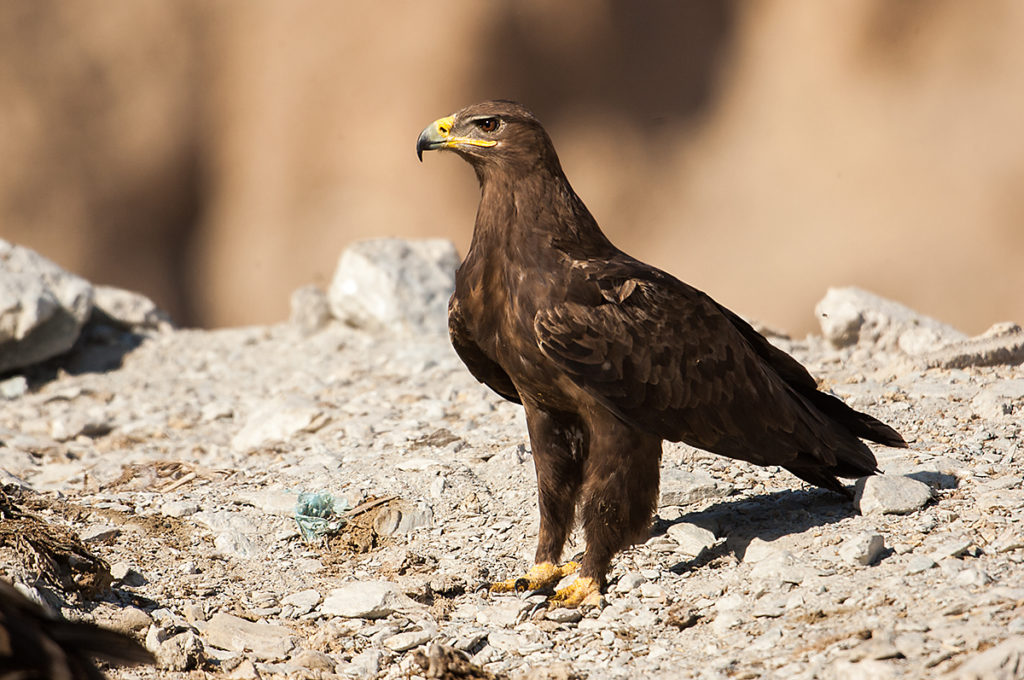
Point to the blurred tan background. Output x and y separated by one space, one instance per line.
216 155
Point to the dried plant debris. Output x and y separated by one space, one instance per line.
162 476
54 554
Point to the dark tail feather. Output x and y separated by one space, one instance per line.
39 646
88 640
860 424
796 376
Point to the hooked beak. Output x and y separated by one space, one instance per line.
438 135
435 136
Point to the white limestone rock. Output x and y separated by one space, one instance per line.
397 284
310 310
681 487
278 421
890 495
128 309
367 600
264 640
692 539
862 549
42 307
851 316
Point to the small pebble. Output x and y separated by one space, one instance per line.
563 615
405 641
14 387
314 660
862 549
919 563
99 533
630 581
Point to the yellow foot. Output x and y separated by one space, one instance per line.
541 575
583 592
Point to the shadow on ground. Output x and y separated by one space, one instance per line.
100 348
767 517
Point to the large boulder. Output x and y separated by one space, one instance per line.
851 316
42 307
395 284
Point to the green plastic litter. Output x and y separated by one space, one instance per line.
319 514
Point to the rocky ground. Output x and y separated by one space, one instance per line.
177 457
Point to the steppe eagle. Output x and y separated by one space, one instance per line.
610 356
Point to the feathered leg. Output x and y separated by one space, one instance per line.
620 493
558 444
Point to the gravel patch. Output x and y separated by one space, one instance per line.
180 466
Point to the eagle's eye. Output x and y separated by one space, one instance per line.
487 124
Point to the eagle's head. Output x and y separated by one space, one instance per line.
490 135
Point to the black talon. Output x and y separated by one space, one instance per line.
546 592
522 584
535 608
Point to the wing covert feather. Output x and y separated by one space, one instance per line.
668 360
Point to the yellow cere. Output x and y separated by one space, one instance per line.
444 125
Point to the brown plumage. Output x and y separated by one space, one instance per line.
609 356
36 646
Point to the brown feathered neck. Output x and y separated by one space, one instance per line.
527 203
